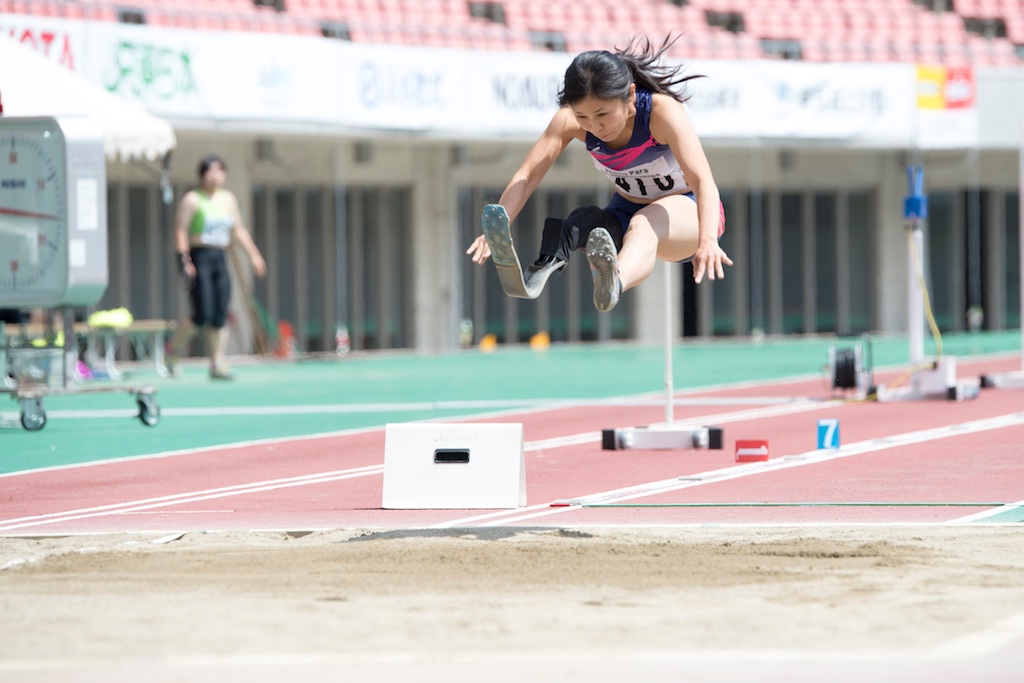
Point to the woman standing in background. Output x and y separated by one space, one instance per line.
207 221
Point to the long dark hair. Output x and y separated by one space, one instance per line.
209 160
606 75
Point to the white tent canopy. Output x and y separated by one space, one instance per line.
32 86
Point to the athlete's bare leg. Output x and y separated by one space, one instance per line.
667 230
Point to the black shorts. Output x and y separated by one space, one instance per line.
211 290
624 210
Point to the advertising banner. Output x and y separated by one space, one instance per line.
274 83
473 94
59 41
946 115
869 104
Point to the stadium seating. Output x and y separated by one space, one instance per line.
976 32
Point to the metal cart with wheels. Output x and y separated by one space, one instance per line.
32 373
53 237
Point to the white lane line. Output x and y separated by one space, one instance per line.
593 437
617 495
189 497
736 472
985 514
417 406
255 487
798 406
193 451
529 407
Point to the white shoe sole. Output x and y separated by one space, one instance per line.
514 282
603 259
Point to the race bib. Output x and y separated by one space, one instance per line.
651 180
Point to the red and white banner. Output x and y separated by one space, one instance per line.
947 117
271 83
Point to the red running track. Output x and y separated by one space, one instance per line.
970 455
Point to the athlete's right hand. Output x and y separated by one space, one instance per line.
186 269
478 250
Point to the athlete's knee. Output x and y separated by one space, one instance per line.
586 218
218 318
561 237
198 316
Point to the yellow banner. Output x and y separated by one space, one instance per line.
931 87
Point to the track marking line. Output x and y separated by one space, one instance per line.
798 406
194 451
531 512
594 437
738 471
255 487
423 406
532 406
189 497
978 516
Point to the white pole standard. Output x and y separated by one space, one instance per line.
1020 240
915 301
668 344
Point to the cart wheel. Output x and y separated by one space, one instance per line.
149 410
33 416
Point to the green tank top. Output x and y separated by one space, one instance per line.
213 220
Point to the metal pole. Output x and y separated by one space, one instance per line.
1020 241
668 344
915 210
915 304
974 228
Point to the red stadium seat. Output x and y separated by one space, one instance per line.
828 30
71 10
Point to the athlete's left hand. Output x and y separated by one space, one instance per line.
259 266
709 259
479 251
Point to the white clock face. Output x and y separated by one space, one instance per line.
33 214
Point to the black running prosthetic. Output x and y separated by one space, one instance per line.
499 239
556 242
562 237
559 239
